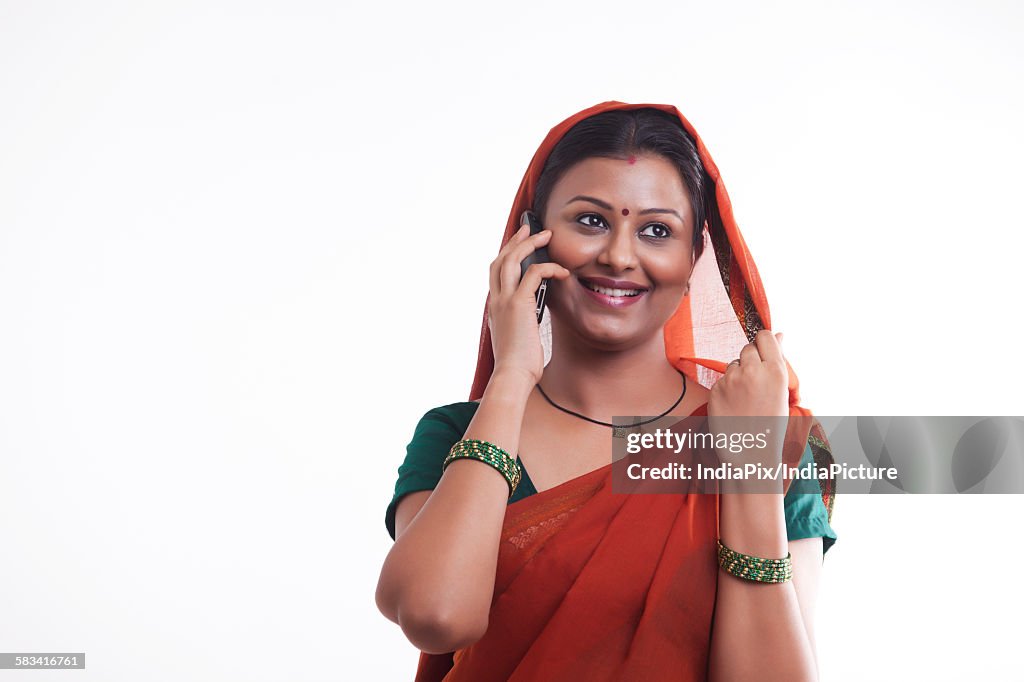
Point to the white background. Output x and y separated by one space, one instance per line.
244 247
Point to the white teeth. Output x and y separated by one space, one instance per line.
612 292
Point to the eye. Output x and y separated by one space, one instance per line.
584 219
661 231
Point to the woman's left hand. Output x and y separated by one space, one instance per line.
752 397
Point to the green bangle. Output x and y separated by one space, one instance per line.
757 569
489 453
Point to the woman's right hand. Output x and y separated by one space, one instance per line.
512 304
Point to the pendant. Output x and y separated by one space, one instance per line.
624 430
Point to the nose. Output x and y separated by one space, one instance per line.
619 252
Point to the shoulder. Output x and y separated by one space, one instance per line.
437 430
805 511
451 418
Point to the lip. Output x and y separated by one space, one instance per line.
611 301
613 283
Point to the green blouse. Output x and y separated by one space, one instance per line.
441 427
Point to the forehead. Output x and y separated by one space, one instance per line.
648 181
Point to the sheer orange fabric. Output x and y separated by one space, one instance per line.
597 586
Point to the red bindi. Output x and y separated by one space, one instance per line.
625 211
632 160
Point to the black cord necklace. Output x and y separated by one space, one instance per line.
618 431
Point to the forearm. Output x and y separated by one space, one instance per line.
758 630
437 581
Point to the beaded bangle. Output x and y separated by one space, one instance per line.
757 569
489 453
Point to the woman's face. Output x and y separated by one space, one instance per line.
625 220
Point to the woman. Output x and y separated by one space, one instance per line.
563 579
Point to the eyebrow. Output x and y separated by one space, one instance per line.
608 207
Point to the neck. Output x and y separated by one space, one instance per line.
600 383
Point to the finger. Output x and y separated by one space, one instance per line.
768 346
512 266
528 246
538 271
749 355
731 366
495 270
494 278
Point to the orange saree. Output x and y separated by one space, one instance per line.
593 585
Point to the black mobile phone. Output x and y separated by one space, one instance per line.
538 256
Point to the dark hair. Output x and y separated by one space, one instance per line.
619 134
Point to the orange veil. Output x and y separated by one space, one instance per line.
593 585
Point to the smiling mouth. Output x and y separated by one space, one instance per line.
615 293
610 297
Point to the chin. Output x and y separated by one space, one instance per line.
601 331
612 337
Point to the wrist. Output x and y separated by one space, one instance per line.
754 523
512 382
